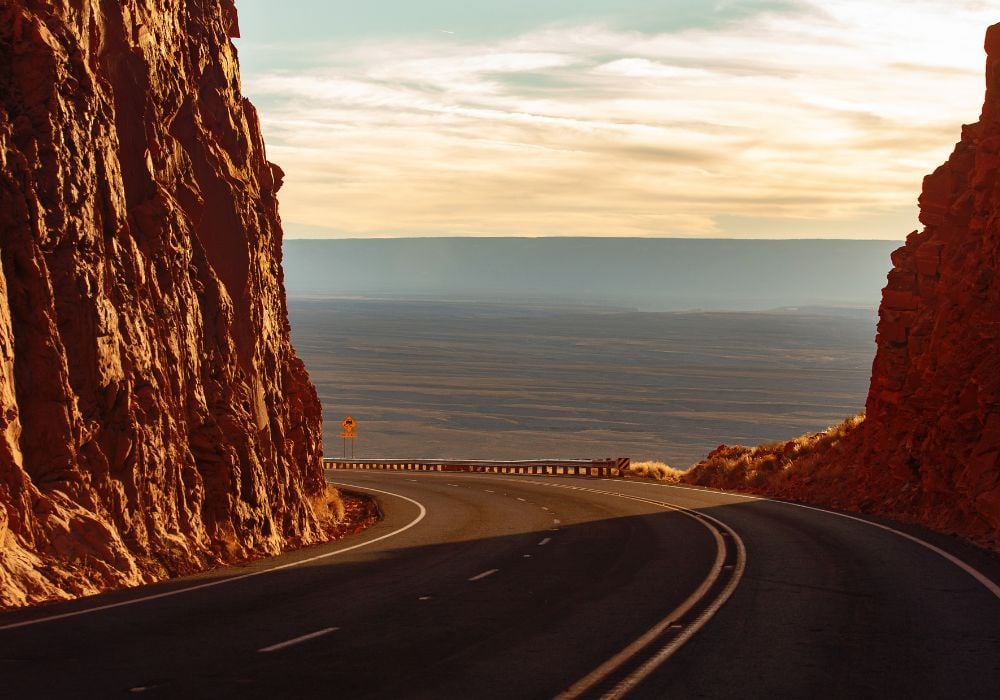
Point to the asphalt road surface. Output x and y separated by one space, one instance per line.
477 586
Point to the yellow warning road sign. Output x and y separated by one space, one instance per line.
349 425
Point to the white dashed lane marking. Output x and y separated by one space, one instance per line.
545 542
483 575
297 640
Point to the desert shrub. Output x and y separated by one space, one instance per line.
654 470
765 466
329 506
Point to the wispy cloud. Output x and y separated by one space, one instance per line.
828 112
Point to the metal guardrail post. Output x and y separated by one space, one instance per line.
597 468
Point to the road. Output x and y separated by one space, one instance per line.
477 586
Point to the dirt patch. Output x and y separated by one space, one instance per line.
361 511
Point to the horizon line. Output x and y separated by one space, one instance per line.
597 238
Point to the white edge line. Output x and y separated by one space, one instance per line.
297 640
982 578
483 575
988 583
220 582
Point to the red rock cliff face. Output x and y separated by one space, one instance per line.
154 418
932 433
928 450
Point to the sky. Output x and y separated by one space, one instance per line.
653 118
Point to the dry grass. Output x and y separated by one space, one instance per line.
775 465
329 506
654 470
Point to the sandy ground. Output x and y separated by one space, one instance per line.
432 379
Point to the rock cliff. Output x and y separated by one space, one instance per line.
929 448
154 418
932 434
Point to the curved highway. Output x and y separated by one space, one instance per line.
477 586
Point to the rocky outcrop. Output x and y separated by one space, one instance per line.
929 448
154 418
932 436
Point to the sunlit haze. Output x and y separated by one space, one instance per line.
597 118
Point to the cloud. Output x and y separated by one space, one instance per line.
825 112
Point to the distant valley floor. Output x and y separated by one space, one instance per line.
494 381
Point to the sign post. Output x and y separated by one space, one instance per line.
349 425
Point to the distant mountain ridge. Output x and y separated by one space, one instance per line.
662 274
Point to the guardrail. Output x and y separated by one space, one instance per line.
595 468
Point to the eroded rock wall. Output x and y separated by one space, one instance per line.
154 418
932 434
928 450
